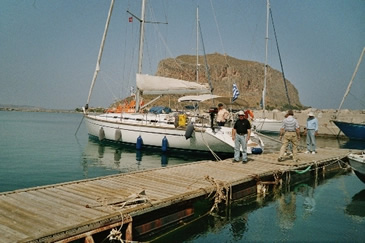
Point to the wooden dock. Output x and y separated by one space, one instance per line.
79 209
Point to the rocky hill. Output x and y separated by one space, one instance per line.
226 70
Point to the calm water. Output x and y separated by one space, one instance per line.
40 148
332 210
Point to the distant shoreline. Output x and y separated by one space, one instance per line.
326 127
30 109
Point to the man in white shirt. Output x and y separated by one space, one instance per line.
222 115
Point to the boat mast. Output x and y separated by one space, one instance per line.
197 44
140 56
97 68
266 43
352 79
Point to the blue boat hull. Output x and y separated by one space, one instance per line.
354 131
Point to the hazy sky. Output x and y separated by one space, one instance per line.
49 48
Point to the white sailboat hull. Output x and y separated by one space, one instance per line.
267 125
357 162
126 128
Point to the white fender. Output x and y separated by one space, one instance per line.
117 135
101 133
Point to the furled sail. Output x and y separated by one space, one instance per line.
155 85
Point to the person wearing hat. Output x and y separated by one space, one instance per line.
290 133
222 115
312 131
241 133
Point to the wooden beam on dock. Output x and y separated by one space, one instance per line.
74 210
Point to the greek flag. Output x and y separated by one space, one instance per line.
235 92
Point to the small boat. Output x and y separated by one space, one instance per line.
266 125
357 162
352 130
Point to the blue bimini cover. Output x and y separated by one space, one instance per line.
160 110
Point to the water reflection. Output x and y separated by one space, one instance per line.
357 205
279 216
286 210
352 144
287 204
307 192
126 158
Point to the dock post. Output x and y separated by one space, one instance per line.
128 232
89 239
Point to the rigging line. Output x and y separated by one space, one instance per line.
362 102
171 54
352 79
79 125
281 63
147 43
108 85
206 62
219 33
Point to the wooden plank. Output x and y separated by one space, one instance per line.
151 187
46 212
82 191
161 182
68 197
72 211
9 227
22 219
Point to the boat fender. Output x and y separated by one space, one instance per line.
189 131
117 135
176 121
139 142
164 160
165 144
256 151
101 134
139 156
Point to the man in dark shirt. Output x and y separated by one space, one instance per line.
241 133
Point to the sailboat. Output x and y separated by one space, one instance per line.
265 124
164 129
352 130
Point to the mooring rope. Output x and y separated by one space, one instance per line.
302 171
217 158
340 161
274 139
116 233
221 190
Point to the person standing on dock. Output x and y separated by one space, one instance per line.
241 133
311 131
222 115
289 133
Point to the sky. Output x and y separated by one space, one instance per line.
49 48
